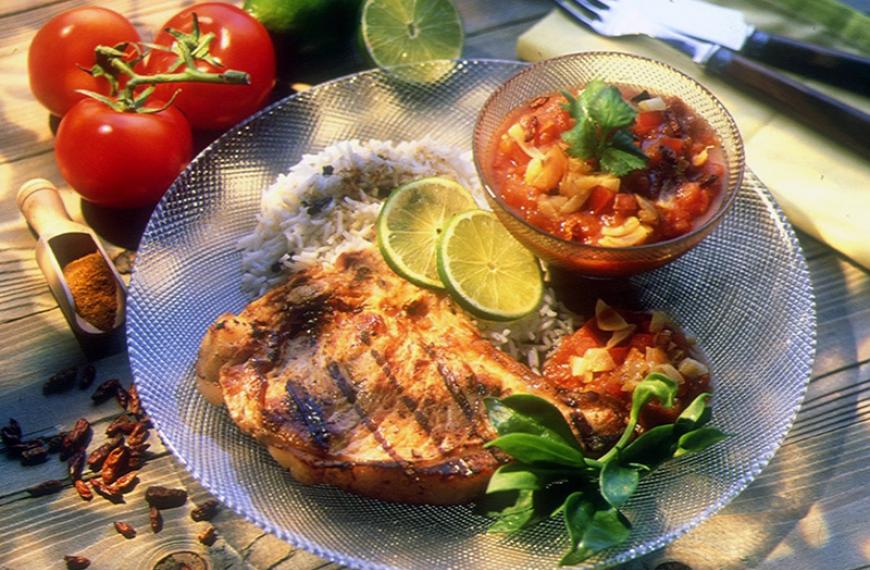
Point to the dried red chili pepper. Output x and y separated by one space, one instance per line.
206 511
126 483
156 519
125 423
125 529
55 442
34 454
122 396
89 373
105 391
107 491
76 464
60 381
45 488
76 562
98 456
115 464
83 490
134 405
77 438
139 435
164 497
208 536
11 434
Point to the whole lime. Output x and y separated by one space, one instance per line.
312 24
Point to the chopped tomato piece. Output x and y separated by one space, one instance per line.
647 122
672 143
599 199
618 354
642 340
625 204
692 198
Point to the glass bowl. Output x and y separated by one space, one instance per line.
633 72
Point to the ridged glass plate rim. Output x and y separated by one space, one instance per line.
297 538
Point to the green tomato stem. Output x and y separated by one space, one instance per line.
190 74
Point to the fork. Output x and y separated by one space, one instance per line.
839 121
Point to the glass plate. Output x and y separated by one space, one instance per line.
744 292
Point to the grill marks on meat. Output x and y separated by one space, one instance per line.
356 378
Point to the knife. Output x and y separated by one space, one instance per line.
727 27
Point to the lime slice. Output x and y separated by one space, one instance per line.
411 221
399 32
486 269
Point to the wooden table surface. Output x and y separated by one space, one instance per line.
810 508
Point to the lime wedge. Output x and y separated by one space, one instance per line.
399 32
486 269
411 221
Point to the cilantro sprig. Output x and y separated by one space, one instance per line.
550 475
601 117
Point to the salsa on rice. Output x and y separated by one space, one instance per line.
613 351
669 167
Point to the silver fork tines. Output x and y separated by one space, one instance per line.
614 19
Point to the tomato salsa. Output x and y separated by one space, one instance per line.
541 172
612 352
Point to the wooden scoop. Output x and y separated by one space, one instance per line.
62 241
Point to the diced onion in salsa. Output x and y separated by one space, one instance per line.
611 360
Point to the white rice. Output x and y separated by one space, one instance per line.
328 204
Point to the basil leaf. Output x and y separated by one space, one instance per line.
591 92
651 448
609 109
619 162
515 476
617 482
519 512
577 513
696 414
581 139
623 140
604 529
600 115
574 107
699 440
542 412
515 510
656 386
527 448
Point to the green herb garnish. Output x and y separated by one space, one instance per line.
550 476
600 131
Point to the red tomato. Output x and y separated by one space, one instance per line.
241 43
647 122
66 42
122 160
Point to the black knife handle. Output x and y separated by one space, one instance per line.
839 121
832 66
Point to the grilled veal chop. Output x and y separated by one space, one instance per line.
356 378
